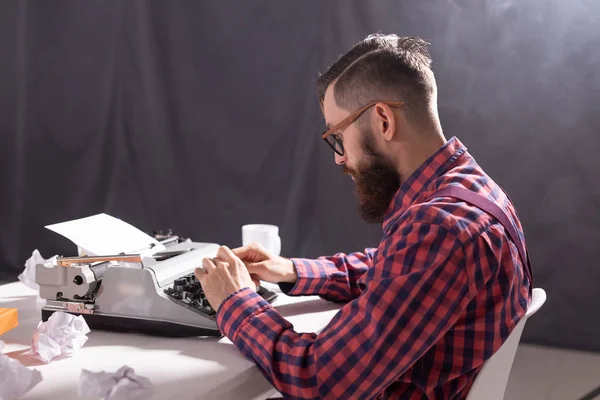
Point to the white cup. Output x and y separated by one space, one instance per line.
266 235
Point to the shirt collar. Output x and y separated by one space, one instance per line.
436 165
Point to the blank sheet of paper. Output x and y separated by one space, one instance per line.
103 234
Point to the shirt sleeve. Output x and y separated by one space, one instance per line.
413 296
332 278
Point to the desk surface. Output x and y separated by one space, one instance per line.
191 368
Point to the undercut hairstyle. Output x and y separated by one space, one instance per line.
385 67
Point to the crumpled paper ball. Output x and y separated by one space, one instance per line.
122 385
61 334
27 277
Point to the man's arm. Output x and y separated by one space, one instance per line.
414 295
333 278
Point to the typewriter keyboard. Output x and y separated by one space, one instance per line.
188 292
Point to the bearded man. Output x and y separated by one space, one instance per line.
449 280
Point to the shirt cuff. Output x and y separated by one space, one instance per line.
291 288
312 277
236 310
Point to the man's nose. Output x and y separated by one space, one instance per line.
340 160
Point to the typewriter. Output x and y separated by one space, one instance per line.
155 295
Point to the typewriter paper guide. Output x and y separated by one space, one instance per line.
102 234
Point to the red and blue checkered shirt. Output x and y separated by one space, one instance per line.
424 310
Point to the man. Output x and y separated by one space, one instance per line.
448 281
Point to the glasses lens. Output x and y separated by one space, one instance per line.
335 143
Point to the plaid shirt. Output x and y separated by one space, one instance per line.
423 310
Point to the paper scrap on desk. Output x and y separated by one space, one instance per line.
122 385
27 277
15 378
61 334
103 234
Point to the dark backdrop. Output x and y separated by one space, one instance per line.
202 116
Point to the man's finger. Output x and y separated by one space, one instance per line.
227 255
241 252
208 264
200 273
247 250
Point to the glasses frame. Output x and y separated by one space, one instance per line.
346 122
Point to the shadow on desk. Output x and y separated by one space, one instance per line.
206 348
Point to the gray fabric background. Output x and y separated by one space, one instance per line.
202 116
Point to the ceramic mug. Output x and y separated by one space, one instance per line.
264 234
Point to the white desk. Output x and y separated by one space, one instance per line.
194 368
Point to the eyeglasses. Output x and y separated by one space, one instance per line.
333 135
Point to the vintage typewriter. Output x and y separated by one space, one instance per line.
156 295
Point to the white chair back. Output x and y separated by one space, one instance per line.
491 381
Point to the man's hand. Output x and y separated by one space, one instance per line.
266 266
222 276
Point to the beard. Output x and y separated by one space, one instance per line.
377 182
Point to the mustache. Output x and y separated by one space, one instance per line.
347 170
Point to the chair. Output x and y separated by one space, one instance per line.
491 381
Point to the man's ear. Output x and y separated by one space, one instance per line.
385 121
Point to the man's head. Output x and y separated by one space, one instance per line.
379 103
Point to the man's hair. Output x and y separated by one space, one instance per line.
384 67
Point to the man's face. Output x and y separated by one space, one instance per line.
375 177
